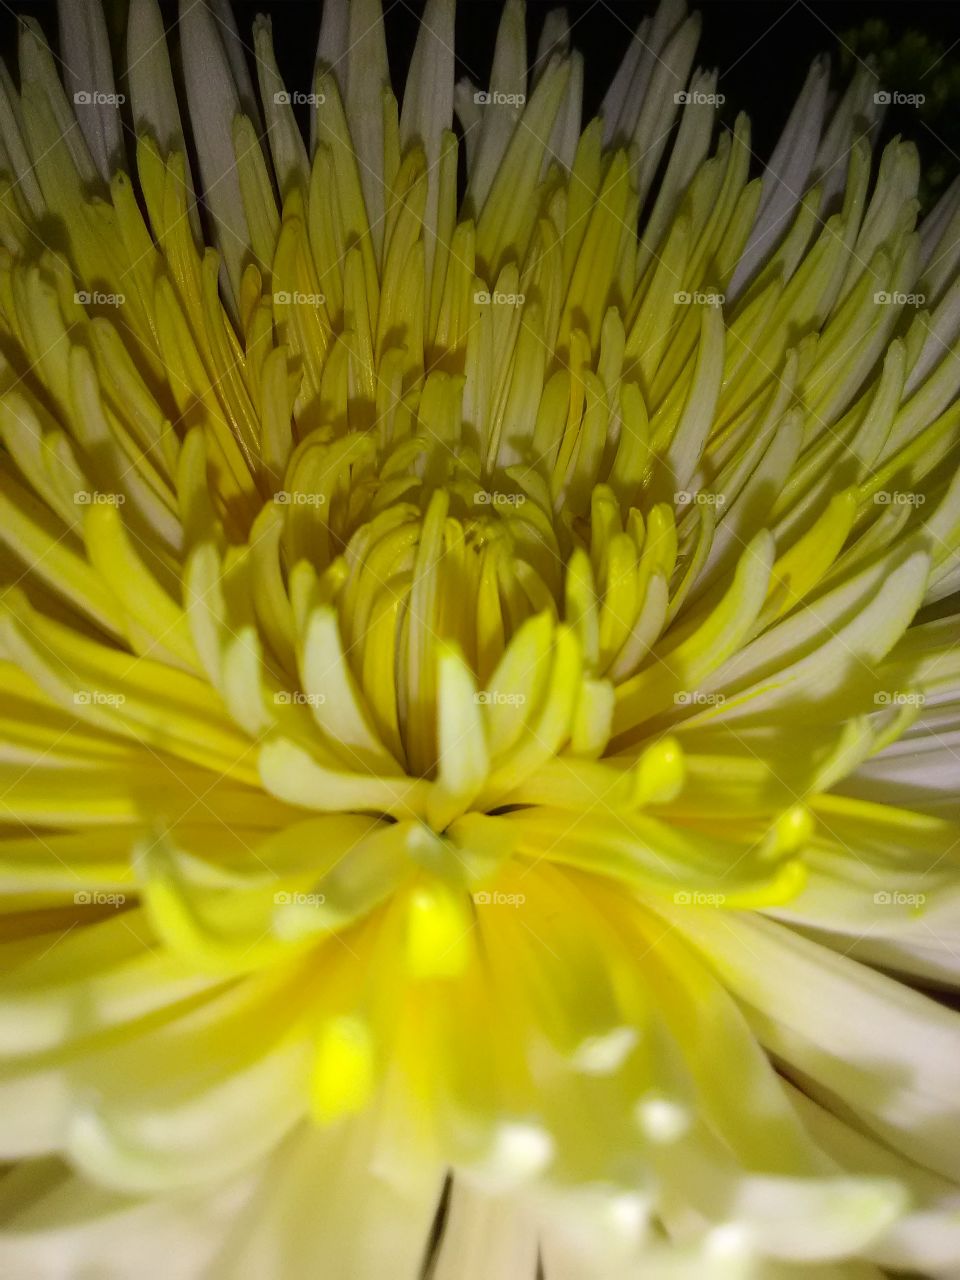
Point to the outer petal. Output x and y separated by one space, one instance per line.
858 1041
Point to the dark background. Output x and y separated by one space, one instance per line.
761 47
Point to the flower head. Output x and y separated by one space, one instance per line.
479 680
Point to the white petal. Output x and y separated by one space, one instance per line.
286 142
940 244
222 13
361 1197
152 93
920 769
428 105
669 77
858 113
887 895
38 77
785 178
857 1040
214 102
925 1240
486 1238
499 120
368 77
59 1225
332 41
629 89
182 1109
97 977
88 75
792 662
11 131
554 38
331 51
153 98
562 148
801 1219
34 1111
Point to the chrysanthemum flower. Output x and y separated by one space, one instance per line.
479 679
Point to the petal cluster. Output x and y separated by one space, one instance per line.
479 678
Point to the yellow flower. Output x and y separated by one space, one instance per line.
479 683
